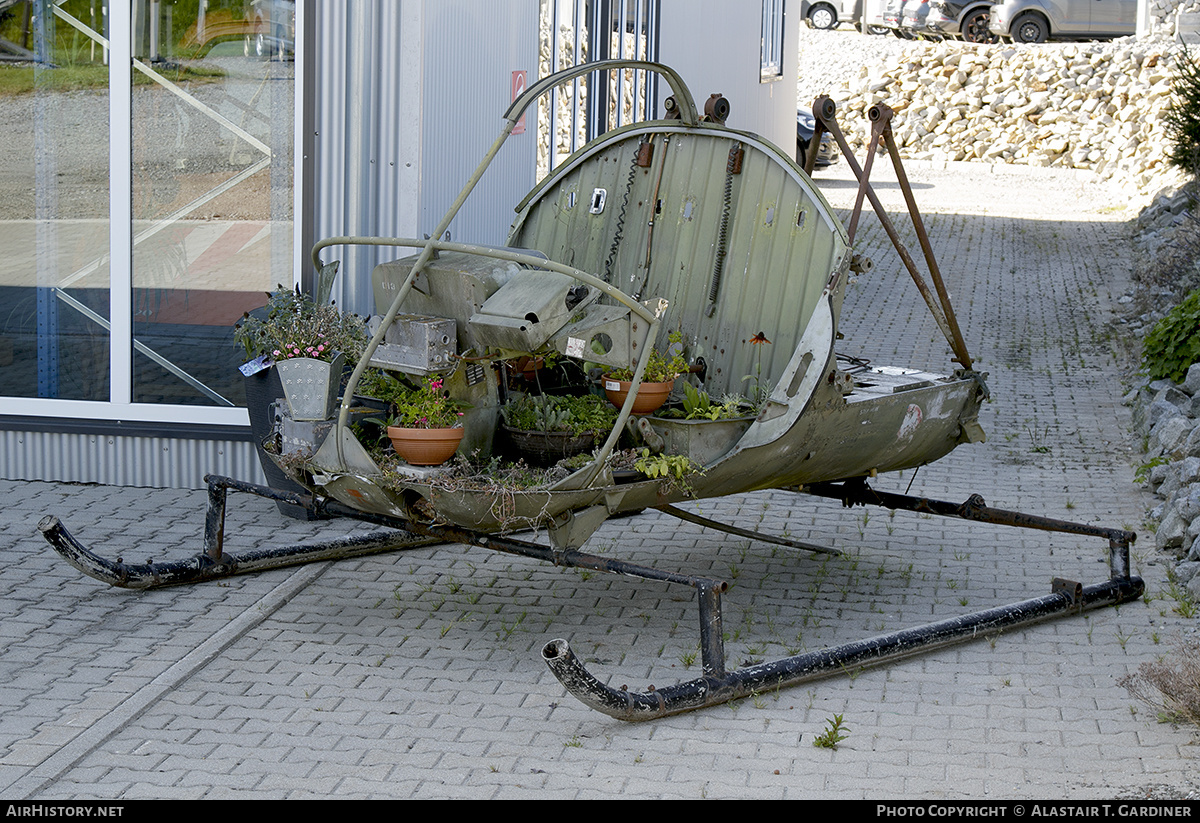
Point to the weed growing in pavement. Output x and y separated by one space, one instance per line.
1040 446
1185 604
1171 684
835 732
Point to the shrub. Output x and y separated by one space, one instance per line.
1174 342
1183 116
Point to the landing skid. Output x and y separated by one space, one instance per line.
716 685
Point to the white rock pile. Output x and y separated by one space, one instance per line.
1167 415
1093 106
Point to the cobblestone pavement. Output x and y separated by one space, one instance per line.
418 674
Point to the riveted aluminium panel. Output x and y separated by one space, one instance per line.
667 228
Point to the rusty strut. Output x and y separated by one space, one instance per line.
857 492
881 131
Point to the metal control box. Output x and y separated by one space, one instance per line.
416 344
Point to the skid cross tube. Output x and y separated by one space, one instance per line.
857 492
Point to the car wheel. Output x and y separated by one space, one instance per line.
878 30
975 27
1030 28
822 17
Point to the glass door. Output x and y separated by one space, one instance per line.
54 200
213 110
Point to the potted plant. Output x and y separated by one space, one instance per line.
548 428
308 344
262 333
703 428
657 380
424 423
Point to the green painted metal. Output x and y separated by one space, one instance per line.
676 228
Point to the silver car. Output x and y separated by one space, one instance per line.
1036 21
829 14
965 19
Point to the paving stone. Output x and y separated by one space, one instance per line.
417 674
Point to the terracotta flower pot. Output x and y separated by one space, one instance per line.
649 397
425 447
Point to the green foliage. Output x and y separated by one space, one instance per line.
577 415
1142 474
1174 342
671 468
697 405
667 466
1183 116
659 367
835 732
428 406
296 326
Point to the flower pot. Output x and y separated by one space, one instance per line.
425 447
649 397
311 386
703 441
262 390
542 448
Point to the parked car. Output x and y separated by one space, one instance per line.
806 127
1036 21
912 19
964 19
821 14
891 16
829 14
872 20
893 19
271 29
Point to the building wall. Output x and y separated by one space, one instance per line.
716 47
407 97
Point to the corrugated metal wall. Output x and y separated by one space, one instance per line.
407 98
122 460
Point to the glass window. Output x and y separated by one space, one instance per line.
212 125
772 40
54 199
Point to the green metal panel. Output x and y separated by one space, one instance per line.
660 229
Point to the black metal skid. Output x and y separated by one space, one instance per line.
716 685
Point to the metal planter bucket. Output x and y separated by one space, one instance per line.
311 386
